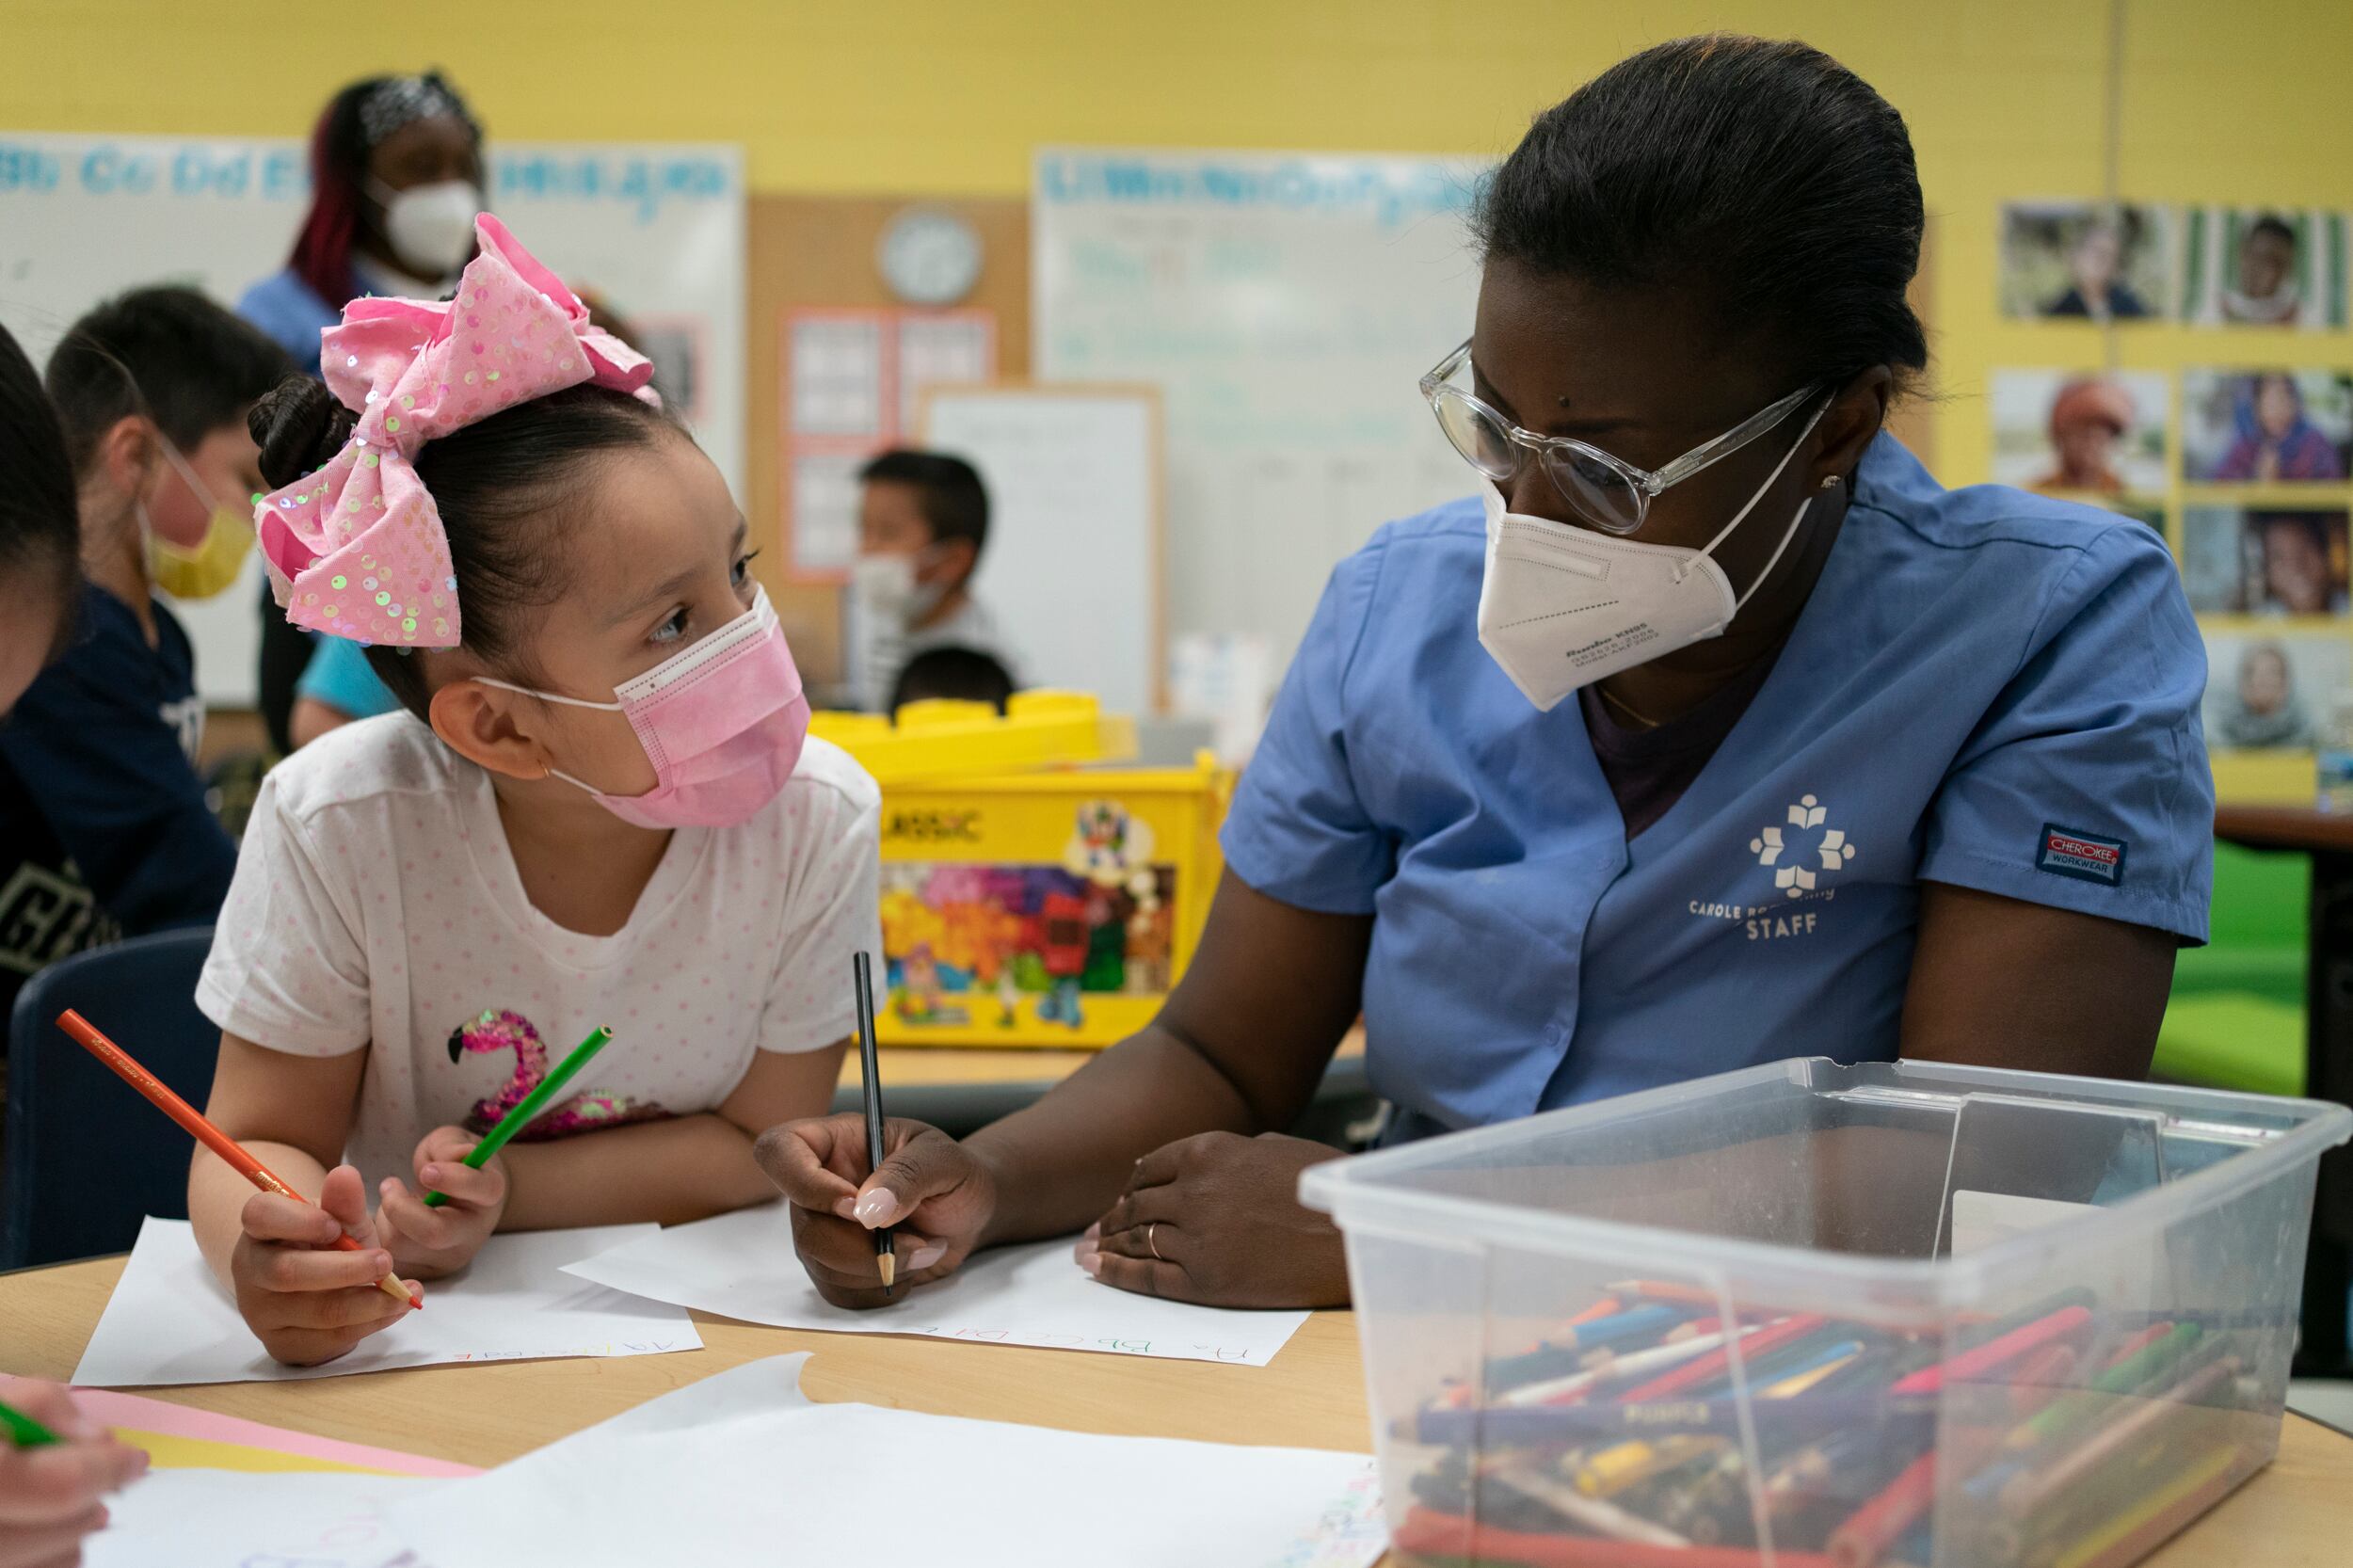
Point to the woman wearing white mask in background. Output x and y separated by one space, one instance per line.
1711 730
396 178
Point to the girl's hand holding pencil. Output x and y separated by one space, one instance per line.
55 1465
306 1300
429 1241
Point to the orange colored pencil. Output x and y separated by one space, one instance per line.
126 1068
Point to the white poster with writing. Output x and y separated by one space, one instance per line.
1285 304
655 229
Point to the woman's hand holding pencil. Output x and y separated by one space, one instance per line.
936 1197
432 1240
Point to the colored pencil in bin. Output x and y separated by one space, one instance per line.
24 1432
2064 1414
1998 1352
2131 1421
1777 1421
126 1068
1565 1351
1720 1360
529 1106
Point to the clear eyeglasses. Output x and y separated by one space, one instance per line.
1609 492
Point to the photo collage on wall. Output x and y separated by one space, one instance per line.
2234 444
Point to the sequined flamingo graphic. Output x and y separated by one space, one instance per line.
498 1029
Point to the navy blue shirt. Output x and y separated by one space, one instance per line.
104 827
1986 688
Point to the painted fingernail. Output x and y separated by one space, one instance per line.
846 1207
926 1255
875 1208
1092 1261
1095 1231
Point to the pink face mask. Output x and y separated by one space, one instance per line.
722 721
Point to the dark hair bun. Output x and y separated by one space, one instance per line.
299 425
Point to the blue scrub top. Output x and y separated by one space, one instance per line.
291 313
1987 688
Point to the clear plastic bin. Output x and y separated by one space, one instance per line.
1805 1314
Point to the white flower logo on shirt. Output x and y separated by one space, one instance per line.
1832 849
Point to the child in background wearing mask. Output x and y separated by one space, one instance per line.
603 810
48 1495
104 827
922 521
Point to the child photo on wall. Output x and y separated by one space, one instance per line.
2263 266
2066 432
2256 561
2085 261
2268 692
2266 426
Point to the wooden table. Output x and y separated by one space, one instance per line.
2295 1514
2327 1347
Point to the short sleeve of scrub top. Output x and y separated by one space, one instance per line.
338 675
2085 785
1298 832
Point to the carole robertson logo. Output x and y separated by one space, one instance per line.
1794 878
1801 851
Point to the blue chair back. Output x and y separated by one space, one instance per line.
86 1156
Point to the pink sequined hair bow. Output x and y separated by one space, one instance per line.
356 549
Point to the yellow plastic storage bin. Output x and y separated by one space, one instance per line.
1051 907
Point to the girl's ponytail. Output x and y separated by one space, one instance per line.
299 425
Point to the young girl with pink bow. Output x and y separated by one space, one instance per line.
599 806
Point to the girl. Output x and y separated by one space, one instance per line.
49 1496
395 180
599 806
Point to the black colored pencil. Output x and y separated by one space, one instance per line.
869 1069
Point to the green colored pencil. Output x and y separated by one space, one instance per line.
24 1432
533 1103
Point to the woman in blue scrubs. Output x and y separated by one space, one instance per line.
1711 731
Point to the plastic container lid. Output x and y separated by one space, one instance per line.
1039 732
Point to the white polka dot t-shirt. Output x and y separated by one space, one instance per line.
376 907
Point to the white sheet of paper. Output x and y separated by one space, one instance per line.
170 1321
741 1468
741 1265
236 1519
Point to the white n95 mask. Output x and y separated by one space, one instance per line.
1561 607
430 227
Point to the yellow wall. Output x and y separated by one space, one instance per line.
2245 100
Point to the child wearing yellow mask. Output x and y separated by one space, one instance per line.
103 825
